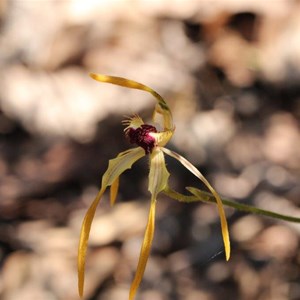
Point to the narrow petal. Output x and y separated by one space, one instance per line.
115 168
145 251
114 191
83 241
197 173
161 108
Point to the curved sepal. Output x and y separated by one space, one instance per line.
197 173
145 251
161 108
83 240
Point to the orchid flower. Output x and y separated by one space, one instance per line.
151 142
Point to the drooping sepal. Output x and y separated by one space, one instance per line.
197 173
83 240
158 180
145 251
114 188
115 168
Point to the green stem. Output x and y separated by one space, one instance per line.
199 195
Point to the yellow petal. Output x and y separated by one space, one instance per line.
115 168
84 236
121 163
145 251
114 191
158 175
158 180
197 173
161 108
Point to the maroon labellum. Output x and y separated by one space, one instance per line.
142 137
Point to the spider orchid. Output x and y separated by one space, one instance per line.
151 142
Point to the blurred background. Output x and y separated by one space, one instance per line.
230 71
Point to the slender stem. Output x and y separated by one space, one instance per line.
199 195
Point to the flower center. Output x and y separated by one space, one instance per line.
142 137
